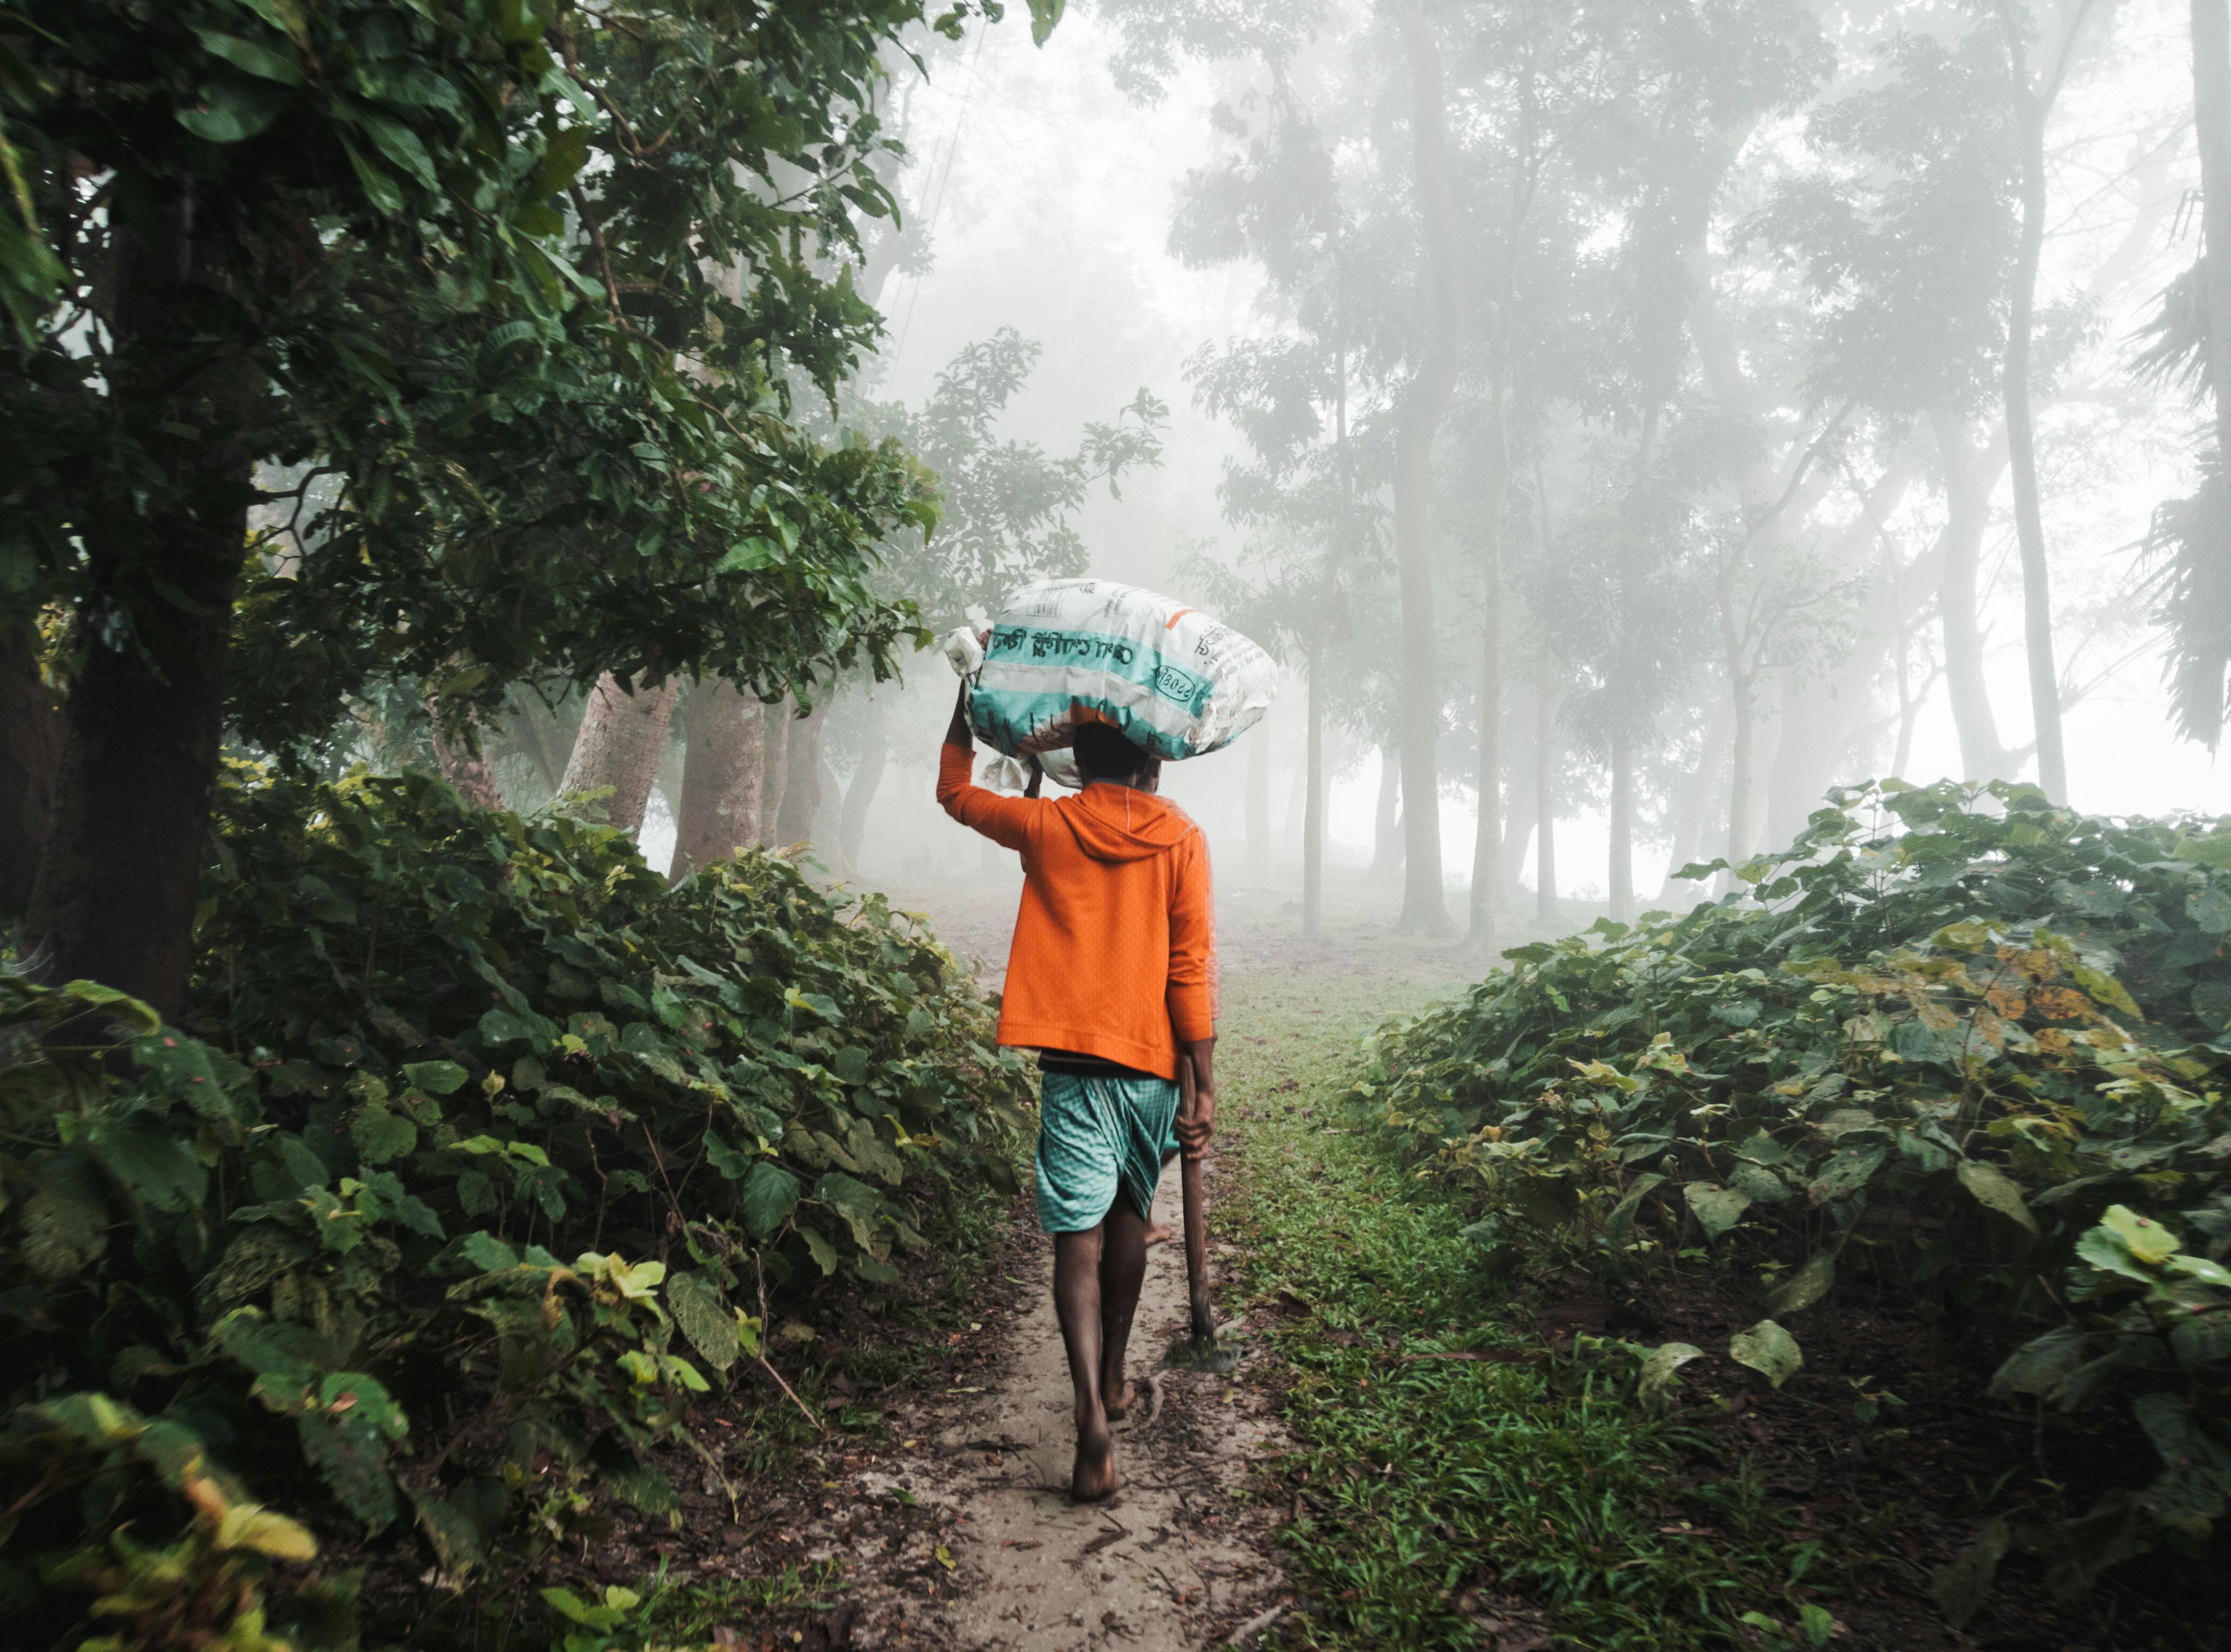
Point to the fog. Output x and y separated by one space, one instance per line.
1043 199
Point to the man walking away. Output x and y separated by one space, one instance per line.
1111 979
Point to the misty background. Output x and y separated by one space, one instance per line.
1042 198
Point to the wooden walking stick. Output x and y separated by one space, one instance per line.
1196 1222
1199 1348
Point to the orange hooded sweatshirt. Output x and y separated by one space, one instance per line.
1114 954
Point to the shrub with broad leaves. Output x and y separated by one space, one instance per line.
477 1153
1964 1043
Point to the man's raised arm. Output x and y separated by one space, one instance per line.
1005 821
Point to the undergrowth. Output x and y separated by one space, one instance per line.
1440 1496
1961 1052
479 1160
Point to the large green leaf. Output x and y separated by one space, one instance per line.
705 1318
1718 1208
769 1193
436 1078
63 1231
2041 1364
1997 1193
1618 1226
380 1135
1759 1185
858 1204
345 1429
1769 1350
1805 1287
1659 1381
1847 1171
263 61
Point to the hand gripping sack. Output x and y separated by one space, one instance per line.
1170 678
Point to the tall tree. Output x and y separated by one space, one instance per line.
1313 549
1524 162
463 259
616 750
1436 360
2032 105
2191 345
718 812
2211 120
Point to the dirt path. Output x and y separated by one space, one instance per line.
1171 1560
994 1556
991 1554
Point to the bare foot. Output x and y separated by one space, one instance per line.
1160 1234
1095 1479
1120 1401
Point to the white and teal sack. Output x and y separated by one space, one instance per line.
1169 677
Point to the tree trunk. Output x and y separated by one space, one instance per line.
801 788
1545 790
1739 786
2030 107
1967 518
1832 705
720 772
1258 795
1743 684
1313 806
1418 421
1522 804
464 765
1697 800
1622 830
1386 817
622 737
828 809
30 747
875 754
1487 829
1297 798
774 770
2211 109
534 731
144 726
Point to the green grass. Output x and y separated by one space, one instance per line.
687 1617
1543 1483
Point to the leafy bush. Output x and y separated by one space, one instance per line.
478 1152
1967 1051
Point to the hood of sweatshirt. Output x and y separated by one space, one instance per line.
1119 823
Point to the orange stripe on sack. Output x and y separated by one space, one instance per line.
1175 617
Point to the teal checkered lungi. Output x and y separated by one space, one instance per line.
1096 1134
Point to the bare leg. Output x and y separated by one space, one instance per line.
1122 1270
1077 1305
1160 1233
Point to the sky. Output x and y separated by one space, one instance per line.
1049 196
